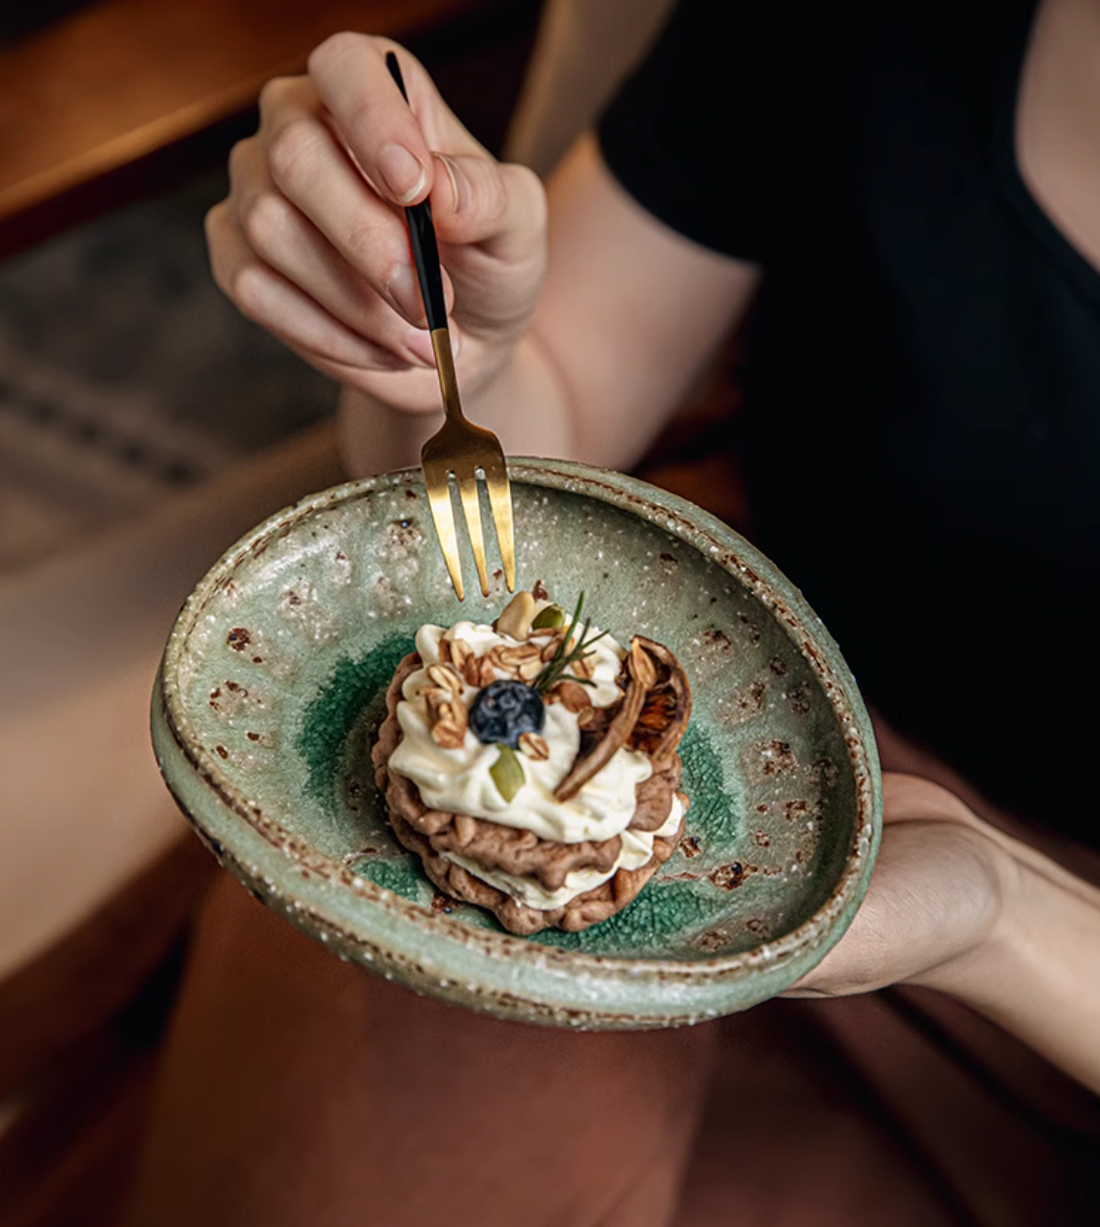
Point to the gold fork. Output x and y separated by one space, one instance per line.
458 447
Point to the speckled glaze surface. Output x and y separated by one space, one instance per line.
273 681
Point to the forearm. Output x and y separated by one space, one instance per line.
1038 973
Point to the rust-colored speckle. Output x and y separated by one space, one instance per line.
442 903
406 533
711 940
410 494
777 666
756 926
238 638
754 700
778 757
762 839
728 877
221 751
825 770
689 846
253 736
799 700
234 687
538 591
257 660
752 631
715 638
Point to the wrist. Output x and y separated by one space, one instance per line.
997 940
385 420
377 437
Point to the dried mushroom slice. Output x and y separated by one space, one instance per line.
667 708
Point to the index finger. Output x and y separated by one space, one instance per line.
389 139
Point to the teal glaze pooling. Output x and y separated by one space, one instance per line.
779 733
353 695
401 877
656 918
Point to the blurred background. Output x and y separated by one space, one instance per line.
124 375
144 426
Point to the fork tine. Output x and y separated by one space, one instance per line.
500 500
439 499
471 504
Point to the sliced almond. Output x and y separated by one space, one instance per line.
446 677
435 697
534 746
529 670
446 654
471 670
460 653
447 717
512 658
574 696
448 736
548 652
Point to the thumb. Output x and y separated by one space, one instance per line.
495 205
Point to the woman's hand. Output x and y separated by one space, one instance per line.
311 241
957 905
936 900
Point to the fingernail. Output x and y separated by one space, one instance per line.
459 187
403 174
404 293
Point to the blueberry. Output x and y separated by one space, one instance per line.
504 710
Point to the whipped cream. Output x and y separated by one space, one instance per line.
458 781
636 851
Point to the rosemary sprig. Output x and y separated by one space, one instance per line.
554 669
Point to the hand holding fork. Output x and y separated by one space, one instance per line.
458 447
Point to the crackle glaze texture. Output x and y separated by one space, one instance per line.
273 683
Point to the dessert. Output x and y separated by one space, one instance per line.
532 764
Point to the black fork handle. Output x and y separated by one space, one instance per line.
425 250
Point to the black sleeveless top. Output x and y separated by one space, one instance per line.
922 430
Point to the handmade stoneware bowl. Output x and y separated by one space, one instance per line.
273 683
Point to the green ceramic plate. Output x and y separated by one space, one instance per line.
273 681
